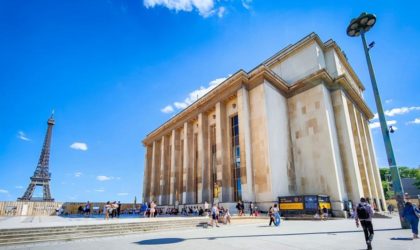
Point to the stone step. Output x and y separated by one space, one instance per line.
52 237
16 236
67 231
95 226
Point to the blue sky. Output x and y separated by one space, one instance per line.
114 70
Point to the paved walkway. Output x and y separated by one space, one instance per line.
291 235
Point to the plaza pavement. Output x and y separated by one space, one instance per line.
250 234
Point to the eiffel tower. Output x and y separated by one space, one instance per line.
42 176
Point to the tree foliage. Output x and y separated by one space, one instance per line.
405 172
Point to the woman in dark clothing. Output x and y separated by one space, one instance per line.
409 214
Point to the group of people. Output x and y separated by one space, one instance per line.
112 210
85 210
219 214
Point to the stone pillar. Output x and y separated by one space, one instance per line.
147 174
224 171
204 173
377 175
347 147
365 150
174 166
153 172
162 169
247 180
370 163
180 174
359 150
188 164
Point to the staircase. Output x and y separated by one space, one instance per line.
68 233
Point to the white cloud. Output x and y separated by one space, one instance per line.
198 93
168 109
21 135
388 101
377 124
79 146
77 174
104 178
400 111
3 191
122 194
205 7
100 190
180 105
221 11
19 187
415 121
396 111
246 4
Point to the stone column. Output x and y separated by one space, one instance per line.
347 146
224 171
359 150
174 166
147 174
153 173
204 173
369 173
247 180
188 162
377 175
162 169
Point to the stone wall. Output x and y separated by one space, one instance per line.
28 208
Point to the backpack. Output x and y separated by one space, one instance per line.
362 212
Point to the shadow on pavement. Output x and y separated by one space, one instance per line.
399 238
162 241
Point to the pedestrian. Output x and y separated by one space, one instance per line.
410 214
206 208
152 209
87 208
390 208
214 215
107 208
114 209
251 208
271 215
227 216
324 213
118 209
364 213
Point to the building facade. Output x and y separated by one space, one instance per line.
296 124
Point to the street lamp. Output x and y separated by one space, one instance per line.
359 26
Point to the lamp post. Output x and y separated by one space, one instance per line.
359 26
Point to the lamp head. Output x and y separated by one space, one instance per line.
361 24
391 129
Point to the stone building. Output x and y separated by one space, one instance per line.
296 124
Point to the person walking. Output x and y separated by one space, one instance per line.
324 215
251 208
206 208
364 214
118 209
410 214
152 209
107 208
271 216
227 216
214 216
390 208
